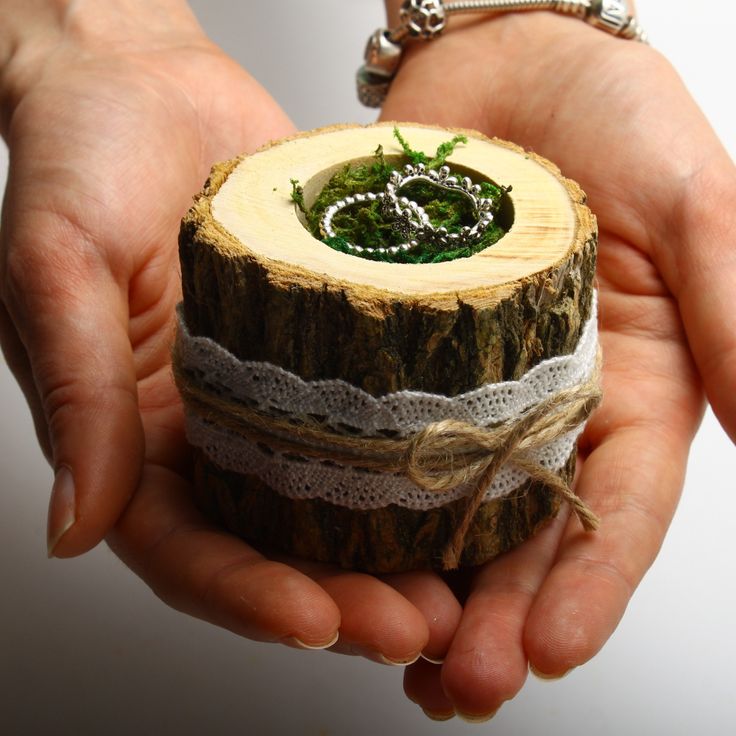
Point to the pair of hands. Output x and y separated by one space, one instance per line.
108 142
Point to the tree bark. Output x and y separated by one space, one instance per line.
264 289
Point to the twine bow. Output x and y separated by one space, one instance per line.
449 453
439 458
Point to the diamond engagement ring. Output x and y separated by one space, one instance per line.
409 218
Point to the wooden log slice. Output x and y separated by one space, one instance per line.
258 283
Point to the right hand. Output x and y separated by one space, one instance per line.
615 117
110 134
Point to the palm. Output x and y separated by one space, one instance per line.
606 122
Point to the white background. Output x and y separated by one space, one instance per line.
85 648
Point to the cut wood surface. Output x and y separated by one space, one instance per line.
257 282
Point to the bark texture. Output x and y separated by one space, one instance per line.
379 541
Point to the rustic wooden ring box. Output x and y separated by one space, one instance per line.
259 284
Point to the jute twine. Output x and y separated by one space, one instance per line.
439 458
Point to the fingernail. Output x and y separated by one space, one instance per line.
431 660
293 641
375 656
473 718
398 662
436 716
62 508
547 677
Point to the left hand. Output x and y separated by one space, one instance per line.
109 137
614 116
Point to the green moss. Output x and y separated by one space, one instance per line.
297 195
365 225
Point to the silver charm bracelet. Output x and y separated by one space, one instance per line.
425 20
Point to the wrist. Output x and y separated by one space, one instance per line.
507 30
36 34
392 12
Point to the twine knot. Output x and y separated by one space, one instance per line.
450 453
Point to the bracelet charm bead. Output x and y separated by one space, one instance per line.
423 18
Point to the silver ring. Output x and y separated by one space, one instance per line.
409 218
409 208
422 229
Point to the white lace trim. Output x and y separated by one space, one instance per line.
344 486
270 388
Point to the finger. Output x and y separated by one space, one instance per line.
633 483
212 575
71 318
487 664
632 478
442 611
423 686
377 621
17 360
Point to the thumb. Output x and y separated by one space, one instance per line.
702 274
70 319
